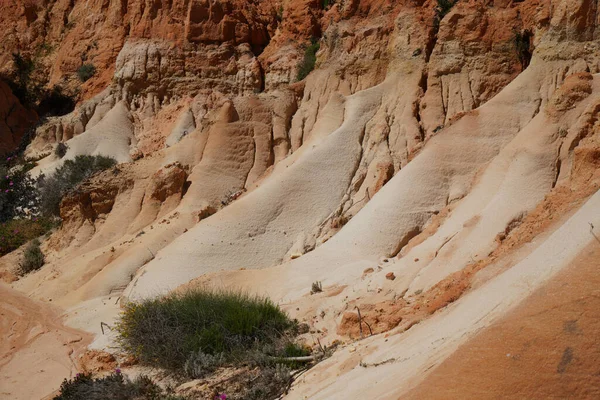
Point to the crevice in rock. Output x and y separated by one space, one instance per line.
404 241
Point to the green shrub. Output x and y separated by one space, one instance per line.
28 82
165 332
85 72
200 364
60 150
112 387
68 177
18 192
442 8
310 58
15 233
33 258
522 44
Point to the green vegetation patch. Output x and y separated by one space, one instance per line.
112 387
67 177
310 59
219 325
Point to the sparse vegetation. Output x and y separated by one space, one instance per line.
33 258
267 385
310 59
67 178
522 44
85 72
194 333
60 150
18 192
316 287
15 233
114 387
28 207
28 83
442 8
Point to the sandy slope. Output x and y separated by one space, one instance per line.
547 347
34 343
422 208
397 363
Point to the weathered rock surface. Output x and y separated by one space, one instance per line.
15 120
432 174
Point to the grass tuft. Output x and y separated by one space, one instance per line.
187 328
33 258
310 59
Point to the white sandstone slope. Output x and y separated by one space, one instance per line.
395 364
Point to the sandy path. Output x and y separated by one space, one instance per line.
34 347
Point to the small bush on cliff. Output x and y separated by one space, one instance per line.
18 192
522 43
310 58
442 8
112 387
29 84
60 150
67 178
33 258
85 72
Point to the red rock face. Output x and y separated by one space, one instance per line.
15 120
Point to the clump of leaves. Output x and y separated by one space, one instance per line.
61 150
114 387
310 59
18 192
33 258
85 72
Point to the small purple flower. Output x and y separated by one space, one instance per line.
118 370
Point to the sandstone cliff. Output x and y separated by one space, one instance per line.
437 170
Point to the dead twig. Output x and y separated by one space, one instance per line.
592 232
102 324
359 322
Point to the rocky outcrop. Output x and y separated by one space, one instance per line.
15 120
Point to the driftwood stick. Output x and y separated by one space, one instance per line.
302 359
